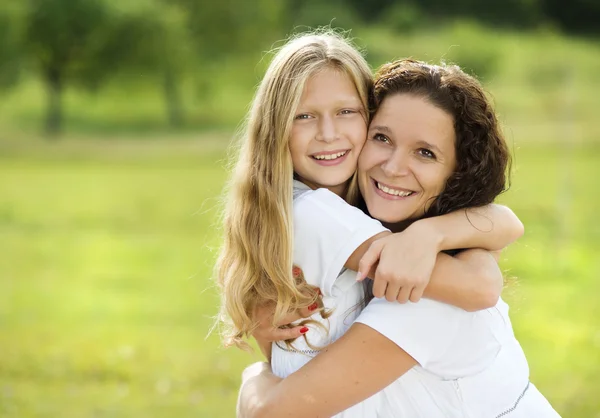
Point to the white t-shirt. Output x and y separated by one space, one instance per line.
327 231
470 363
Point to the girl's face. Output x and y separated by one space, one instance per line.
408 156
328 132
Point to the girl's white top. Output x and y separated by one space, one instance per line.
470 364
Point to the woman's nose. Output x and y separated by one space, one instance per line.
396 164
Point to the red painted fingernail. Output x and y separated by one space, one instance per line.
303 330
296 272
313 307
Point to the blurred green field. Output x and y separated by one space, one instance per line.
538 79
108 236
106 297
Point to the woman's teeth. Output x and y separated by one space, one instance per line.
393 192
330 156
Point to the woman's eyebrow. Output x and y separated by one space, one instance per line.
426 144
381 128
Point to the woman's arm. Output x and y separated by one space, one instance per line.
359 364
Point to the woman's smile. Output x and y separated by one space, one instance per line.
390 192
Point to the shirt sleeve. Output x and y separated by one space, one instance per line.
425 329
327 230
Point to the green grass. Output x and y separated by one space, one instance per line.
106 298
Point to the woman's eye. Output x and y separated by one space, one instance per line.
427 153
301 116
348 111
381 138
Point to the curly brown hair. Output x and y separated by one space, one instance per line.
482 156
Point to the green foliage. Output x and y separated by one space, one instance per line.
308 14
63 35
11 58
481 58
404 18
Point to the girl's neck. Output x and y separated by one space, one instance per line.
339 190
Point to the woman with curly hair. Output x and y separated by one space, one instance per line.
433 146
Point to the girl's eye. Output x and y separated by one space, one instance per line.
427 153
381 138
301 116
348 111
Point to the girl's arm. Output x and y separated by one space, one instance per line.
471 280
359 364
405 261
492 227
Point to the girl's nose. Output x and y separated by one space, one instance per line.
327 130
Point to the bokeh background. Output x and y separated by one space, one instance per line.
115 117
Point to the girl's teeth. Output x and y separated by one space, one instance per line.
392 191
330 156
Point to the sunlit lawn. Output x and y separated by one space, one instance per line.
106 250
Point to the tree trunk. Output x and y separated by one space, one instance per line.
172 99
54 86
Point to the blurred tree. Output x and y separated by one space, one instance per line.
225 27
577 16
315 13
10 43
158 39
62 37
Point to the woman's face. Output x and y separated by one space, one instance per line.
408 156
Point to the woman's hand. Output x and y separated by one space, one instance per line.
266 332
404 263
257 381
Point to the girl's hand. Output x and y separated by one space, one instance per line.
404 262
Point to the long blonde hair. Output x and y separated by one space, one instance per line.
256 259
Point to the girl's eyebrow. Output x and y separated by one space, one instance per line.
342 102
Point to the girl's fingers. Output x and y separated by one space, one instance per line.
404 294
379 287
391 293
416 294
368 260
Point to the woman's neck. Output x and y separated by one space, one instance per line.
398 226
